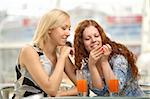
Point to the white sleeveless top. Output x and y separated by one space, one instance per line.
25 85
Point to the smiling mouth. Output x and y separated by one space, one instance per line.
65 37
65 40
95 45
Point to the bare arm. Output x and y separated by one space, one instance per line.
70 72
30 59
107 71
94 56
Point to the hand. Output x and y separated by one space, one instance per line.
65 51
106 49
72 52
95 54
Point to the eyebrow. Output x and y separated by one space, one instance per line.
67 25
86 37
94 34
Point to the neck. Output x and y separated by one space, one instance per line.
49 48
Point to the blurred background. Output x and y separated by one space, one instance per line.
125 21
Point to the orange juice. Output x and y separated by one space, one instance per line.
113 85
82 85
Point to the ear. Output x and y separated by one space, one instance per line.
50 31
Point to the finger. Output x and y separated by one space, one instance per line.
96 48
98 57
105 48
71 52
102 50
109 47
96 53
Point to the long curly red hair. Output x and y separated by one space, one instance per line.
81 53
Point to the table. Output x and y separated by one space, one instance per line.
76 97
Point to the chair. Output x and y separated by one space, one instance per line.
6 92
146 89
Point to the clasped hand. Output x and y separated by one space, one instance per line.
100 52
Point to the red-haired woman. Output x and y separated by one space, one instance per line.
102 59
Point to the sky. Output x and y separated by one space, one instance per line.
37 7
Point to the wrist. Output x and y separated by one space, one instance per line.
62 93
104 63
91 63
104 59
62 57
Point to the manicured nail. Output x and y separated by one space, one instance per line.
101 49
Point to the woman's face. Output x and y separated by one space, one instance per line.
60 34
91 38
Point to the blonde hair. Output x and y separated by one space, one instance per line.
50 20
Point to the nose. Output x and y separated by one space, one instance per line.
93 39
67 32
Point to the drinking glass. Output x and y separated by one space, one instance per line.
113 86
81 83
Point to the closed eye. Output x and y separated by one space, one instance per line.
65 27
87 39
96 35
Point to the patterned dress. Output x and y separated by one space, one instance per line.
25 85
127 85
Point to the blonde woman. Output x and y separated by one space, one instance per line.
40 65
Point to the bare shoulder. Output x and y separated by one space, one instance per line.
27 54
28 49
